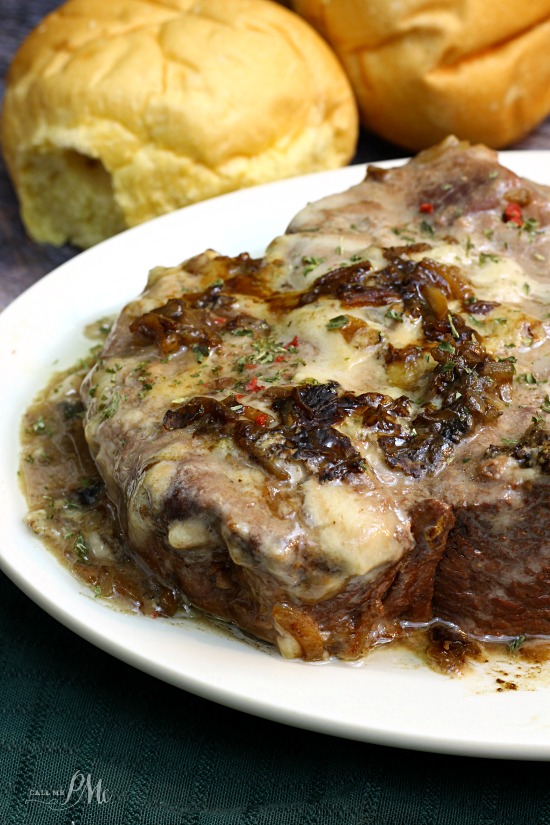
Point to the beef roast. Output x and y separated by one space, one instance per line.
349 436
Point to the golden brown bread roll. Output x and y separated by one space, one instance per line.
120 110
423 69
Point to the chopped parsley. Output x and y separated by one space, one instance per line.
242 331
452 326
310 263
485 257
81 548
516 643
529 225
112 407
338 322
526 378
394 314
201 352
41 428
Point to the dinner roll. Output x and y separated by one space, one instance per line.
422 70
120 110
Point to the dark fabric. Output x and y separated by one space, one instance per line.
162 756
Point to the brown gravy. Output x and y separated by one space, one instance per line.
71 513
68 506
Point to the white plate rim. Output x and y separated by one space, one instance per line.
392 699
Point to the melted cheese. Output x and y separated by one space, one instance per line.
357 366
504 280
357 529
495 276
344 529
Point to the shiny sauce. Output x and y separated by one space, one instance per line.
69 509
70 512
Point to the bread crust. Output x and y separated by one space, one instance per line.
422 70
131 108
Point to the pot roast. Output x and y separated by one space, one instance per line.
348 437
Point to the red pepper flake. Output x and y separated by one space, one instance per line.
250 366
279 358
239 395
253 385
217 319
426 208
294 343
513 214
262 419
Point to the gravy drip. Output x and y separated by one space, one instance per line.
68 507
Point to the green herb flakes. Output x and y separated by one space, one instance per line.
454 331
81 548
527 378
338 322
112 407
394 315
486 257
516 643
40 427
241 332
310 263
201 352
